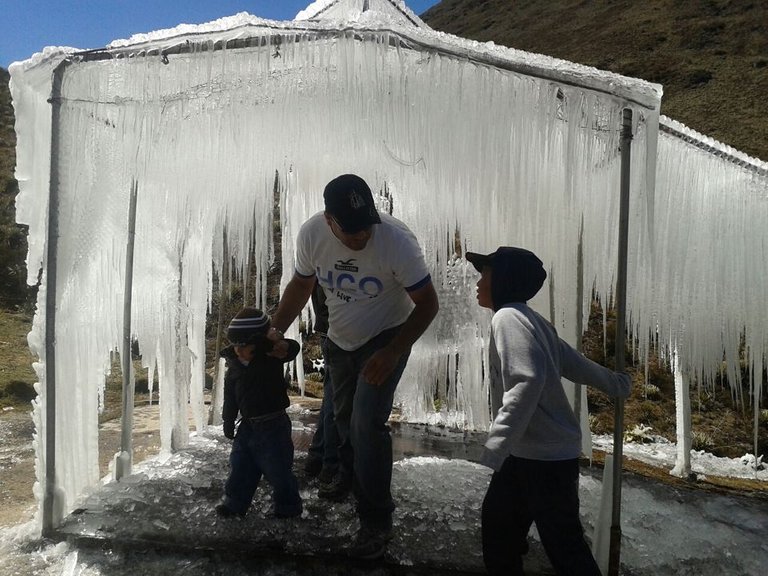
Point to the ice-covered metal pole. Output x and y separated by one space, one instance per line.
124 461
217 397
621 304
49 519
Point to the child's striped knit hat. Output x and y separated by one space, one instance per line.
247 325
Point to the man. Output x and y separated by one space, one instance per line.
380 300
535 440
323 452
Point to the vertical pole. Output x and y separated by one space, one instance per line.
124 463
51 258
551 276
621 302
577 390
682 466
217 394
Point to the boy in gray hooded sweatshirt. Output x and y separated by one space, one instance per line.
535 440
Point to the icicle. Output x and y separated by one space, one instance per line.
468 154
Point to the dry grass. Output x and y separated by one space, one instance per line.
16 374
716 484
720 426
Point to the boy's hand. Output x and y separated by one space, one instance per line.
229 430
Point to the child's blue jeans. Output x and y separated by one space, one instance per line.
263 448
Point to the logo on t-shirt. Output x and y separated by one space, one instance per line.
346 265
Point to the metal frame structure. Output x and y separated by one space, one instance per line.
399 39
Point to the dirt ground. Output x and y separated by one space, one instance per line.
17 454
17 457
17 468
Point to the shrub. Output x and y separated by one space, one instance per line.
651 392
640 433
698 78
313 376
20 391
702 441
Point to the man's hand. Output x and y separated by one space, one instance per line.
279 345
229 430
275 335
380 366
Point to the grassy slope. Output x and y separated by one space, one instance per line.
711 56
16 374
7 135
14 292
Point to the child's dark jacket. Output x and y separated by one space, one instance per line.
257 389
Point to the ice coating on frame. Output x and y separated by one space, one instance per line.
472 145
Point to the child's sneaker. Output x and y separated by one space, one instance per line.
370 543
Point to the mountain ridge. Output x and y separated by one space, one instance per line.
711 56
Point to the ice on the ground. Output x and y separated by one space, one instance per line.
666 531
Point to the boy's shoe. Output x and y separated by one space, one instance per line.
312 468
224 511
337 490
370 543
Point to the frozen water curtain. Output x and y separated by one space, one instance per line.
472 145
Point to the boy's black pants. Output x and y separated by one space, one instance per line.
546 492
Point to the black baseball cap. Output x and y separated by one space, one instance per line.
349 200
518 274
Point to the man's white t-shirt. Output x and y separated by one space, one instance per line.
366 290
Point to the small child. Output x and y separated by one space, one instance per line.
535 440
255 386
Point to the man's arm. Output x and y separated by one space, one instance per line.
295 296
381 364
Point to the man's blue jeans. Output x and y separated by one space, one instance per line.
263 449
362 411
325 442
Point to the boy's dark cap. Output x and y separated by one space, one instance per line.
518 274
247 326
519 256
349 200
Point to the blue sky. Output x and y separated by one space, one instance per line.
27 26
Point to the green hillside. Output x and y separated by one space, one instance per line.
13 242
711 56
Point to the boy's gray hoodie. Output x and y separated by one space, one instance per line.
527 359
